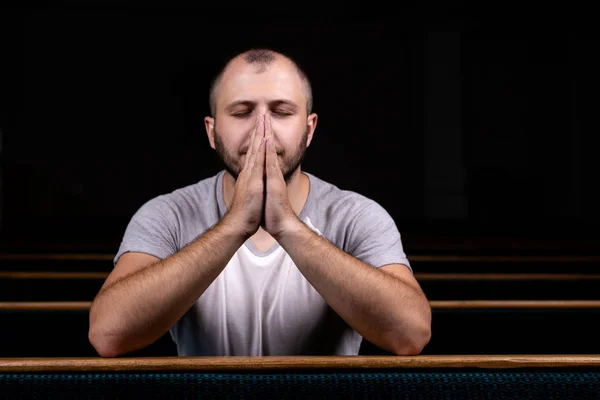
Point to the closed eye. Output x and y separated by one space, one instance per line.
241 114
283 113
280 113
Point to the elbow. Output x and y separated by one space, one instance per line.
107 344
412 344
104 345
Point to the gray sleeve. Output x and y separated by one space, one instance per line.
375 239
151 230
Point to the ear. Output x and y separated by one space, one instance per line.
311 123
209 124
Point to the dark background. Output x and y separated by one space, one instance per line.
471 134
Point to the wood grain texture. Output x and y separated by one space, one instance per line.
503 277
434 276
415 258
45 305
56 256
435 304
52 275
243 364
515 304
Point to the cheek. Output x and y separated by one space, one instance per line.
235 134
288 130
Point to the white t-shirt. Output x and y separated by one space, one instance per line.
261 304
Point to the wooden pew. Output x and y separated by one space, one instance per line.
435 305
423 263
477 309
456 377
83 285
459 327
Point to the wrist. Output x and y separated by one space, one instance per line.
290 229
235 229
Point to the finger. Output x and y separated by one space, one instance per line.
256 141
257 158
268 129
258 168
264 120
272 163
252 137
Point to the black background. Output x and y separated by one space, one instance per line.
460 126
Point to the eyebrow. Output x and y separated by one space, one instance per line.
229 107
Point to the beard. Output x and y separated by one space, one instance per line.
289 164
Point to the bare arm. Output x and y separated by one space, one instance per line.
385 305
138 308
131 312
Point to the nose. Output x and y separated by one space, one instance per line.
262 109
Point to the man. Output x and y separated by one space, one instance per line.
262 258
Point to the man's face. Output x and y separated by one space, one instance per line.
288 161
276 91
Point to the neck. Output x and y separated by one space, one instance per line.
297 190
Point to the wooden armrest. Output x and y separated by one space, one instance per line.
435 304
295 363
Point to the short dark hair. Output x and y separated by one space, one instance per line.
261 57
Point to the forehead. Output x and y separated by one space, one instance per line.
259 82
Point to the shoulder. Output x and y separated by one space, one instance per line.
340 201
343 215
190 198
176 217
356 224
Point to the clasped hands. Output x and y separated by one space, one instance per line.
261 198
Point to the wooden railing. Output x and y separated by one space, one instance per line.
419 276
415 258
435 304
291 363
479 307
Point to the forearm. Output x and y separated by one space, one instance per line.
381 307
139 308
